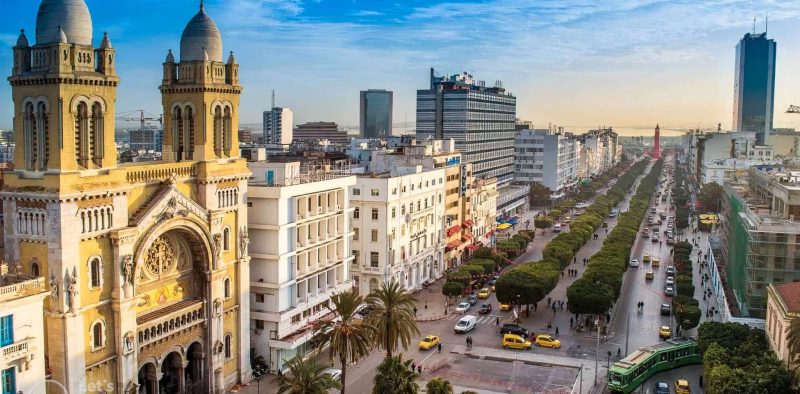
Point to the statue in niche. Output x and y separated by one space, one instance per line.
218 246
127 269
244 242
72 290
54 297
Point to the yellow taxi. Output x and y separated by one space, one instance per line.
484 293
646 258
655 262
429 342
682 387
648 275
664 332
505 307
545 340
512 341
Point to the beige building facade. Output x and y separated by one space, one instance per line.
146 264
783 305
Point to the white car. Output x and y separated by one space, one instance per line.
669 282
634 263
336 374
669 291
463 307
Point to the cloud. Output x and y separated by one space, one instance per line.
366 13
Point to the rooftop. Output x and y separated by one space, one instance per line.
790 295
14 284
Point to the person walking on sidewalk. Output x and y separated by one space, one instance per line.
497 322
556 330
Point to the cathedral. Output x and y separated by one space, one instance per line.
145 264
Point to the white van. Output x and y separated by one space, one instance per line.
466 324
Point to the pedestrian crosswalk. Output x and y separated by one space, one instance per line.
482 319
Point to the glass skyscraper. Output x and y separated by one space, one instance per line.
754 85
376 113
481 121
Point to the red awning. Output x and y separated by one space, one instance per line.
473 247
452 230
489 234
453 244
466 237
467 224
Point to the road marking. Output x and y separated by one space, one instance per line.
427 357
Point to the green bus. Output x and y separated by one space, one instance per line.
630 372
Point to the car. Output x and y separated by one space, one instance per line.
670 241
484 293
463 307
504 306
472 299
516 329
513 341
336 374
557 228
670 281
666 309
655 261
662 388
671 271
669 291
664 332
656 230
648 275
646 258
654 238
485 308
429 342
682 387
634 263
645 234
545 340
466 324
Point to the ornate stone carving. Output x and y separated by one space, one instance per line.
144 301
54 293
129 339
127 269
218 246
217 307
160 258
169 209
72 290
244 242
218 347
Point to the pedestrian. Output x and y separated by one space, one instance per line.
439 347
415 311
562 274
701 380
497 321
619 352
574 259
548 301
556 330
549 324
570 323
414 365
535 306
419 368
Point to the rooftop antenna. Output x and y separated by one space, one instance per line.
754 25
766 25
273 99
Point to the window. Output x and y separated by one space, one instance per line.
374 192
374 236
98 335
95 276
356 213
355 233
8 382
374 213
403 209
226 287
373 259
296 319
394 191
34 269
259 324
394 212
6 330
356 192
259 297
226 239
228 351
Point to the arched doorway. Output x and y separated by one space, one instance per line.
417 274
195 382
171 374
148 379
373 285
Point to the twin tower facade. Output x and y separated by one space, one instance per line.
146 263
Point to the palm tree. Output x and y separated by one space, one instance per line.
439 386
392 314
305 377
794 339
395 376
349 338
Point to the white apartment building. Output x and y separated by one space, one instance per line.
546 158
599 152
278 126
22 368
299 247
482 205
397 225
724 170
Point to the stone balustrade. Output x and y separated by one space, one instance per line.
161 172
17 350
170 320
19 288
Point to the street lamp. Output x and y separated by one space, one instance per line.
427 292
608 361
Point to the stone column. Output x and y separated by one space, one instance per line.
180 366
154 378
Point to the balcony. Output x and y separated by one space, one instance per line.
17 350
167 321
12 287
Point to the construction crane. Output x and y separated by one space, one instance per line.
141 118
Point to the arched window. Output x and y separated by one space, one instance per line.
29 130
188 138
82 135
227 135
98 335
228 350
226 239
218 139
226 287
96 135
177 133
35 269
42 137
95 272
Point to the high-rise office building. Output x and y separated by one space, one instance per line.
754 85
479 119
376 113
278 126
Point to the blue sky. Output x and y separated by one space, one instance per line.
627 63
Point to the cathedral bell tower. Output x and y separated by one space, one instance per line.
200 95
64 92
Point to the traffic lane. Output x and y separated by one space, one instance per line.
691 373
507 375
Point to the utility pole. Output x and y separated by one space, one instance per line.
627 333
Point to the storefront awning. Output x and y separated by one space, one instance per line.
489 234
473 247
467 224
452 245
453 229
466 237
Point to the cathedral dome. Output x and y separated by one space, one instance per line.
71 15
201 39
